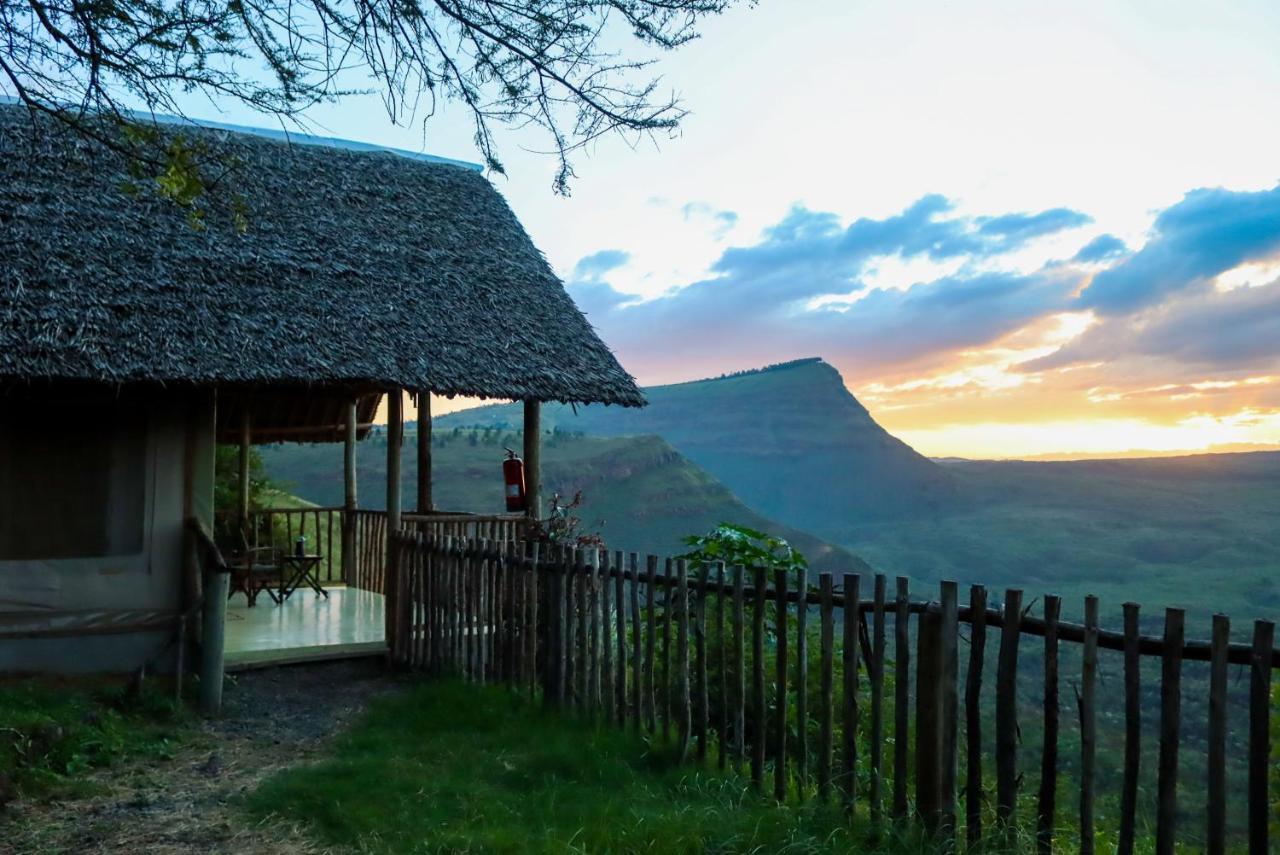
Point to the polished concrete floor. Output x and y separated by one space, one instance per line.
350 618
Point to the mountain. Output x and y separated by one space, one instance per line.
793 444
789 440
638 492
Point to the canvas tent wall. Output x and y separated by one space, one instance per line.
94 492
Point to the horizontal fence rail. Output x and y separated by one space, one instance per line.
805 689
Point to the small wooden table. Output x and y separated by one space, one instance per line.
299 570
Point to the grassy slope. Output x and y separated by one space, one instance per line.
639 492
460 768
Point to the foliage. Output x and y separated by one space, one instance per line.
51 734
563 526
552 65
739 545
226 485
452 767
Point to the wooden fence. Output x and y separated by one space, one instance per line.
703 655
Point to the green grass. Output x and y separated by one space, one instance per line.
52 733
453 767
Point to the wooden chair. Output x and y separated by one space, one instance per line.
254 570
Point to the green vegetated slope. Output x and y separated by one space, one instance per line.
639 492
1202 533
790 441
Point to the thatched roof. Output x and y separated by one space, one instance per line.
359 269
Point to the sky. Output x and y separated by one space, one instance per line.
1018 229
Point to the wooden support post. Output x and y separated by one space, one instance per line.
425 500
349 498
212 636
533 462
395 438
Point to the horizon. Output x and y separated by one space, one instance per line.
1015 231
446 406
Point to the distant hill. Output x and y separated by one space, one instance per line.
639 492
1202 532
789 440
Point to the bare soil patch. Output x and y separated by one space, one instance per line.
273 718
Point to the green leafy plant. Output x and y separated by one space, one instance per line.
735 544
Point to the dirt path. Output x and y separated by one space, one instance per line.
273 718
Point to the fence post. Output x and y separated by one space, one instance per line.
780 691
949 706
1007 712
1088 725
1047 801
901 696
1217 784
973 715
759 732
849 666
1260 734
684 726
826 681
876 670
1170 725
1132 731
929 721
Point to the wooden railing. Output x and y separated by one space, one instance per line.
730 664
325 530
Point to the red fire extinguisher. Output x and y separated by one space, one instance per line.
513 475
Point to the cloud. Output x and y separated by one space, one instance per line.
758 303
722 221
1101 248
810 284
1019 229
1206 332
597 264
1207 233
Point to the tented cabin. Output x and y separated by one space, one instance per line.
135 334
